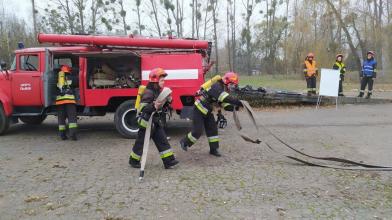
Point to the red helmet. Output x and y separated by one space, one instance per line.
65 69
371 52
310 55
230 78
156 73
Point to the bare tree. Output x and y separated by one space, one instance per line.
345 29
228 6
123 15
34 11
214 8
138 11
80 7
154 11
168 7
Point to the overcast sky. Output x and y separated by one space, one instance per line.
22 9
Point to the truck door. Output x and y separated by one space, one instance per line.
26 80
185 74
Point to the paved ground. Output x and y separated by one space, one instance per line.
43 178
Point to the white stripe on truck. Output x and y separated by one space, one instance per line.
176 74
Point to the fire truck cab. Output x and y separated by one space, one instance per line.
106 72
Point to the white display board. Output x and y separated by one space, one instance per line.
329 82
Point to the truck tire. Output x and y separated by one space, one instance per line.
33 120
4 121
125 120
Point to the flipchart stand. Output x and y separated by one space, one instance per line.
329 85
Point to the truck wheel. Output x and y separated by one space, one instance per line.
33 120
4 121
125 120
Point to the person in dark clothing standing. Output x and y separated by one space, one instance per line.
368 74
310 73
148 105
339 65
216 94
66 104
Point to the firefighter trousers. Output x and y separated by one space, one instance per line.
366 80
200 121
311 84
341 84
159 137
64 112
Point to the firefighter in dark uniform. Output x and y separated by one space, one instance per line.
339 65
148 105
66 104
368 74
202 112
310 72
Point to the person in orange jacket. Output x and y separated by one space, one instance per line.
310 73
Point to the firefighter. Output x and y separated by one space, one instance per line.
339 65
148 105
66 104
368 74
217 93
310 72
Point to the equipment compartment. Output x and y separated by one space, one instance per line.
108 71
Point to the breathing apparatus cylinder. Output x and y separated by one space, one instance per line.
140 92
207 85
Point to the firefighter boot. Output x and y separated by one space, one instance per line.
360 95
134 163
169 162
183 145
72 134
63 135
215 152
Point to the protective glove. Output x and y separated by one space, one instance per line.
221 120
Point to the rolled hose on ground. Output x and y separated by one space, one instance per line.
358 165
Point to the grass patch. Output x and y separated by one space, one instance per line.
296 83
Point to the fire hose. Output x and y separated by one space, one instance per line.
353 164
163 96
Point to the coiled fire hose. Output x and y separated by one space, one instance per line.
349 164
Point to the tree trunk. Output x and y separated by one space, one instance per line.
80 5
233 38
205 20
228 33
214 4
34 18
285 39
138 16
123 15
155 12
197 22
349 39
193 19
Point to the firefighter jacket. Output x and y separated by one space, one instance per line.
216 94
65 91
310 68
369 68
340 66
147 108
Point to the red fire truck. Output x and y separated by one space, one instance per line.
108 71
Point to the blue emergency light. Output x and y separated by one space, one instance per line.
20 45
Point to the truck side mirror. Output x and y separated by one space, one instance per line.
3 65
